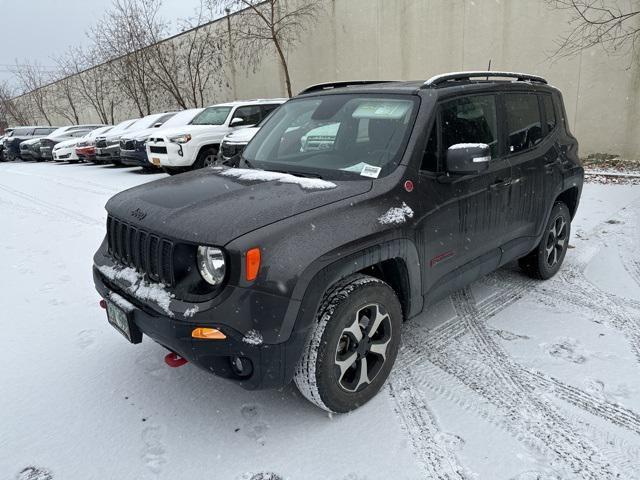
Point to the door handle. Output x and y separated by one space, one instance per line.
498 184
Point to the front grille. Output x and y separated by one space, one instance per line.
148 253
231 150
158 149
101 143
127 145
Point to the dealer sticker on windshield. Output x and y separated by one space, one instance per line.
370 171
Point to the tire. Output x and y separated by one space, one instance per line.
329 373
206 158
546 259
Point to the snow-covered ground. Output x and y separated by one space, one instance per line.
507 379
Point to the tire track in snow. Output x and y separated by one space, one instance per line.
417 420
508 389
65 212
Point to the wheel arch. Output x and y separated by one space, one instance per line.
570 198
207 146
396 262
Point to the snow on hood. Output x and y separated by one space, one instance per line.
67 143
233 204
252 175
140 134
244 135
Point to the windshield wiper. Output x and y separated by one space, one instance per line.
299 174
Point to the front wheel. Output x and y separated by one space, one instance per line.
545 260
206 158
353 344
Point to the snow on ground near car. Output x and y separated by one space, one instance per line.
509 378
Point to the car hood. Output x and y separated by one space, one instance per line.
213 206
190 129
68 143
140 134
243 135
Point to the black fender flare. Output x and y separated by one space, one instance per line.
328 270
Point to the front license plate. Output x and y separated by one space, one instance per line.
122 322
155 161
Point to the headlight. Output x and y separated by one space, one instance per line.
211 265
180 138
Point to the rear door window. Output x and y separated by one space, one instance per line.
470 119
524 124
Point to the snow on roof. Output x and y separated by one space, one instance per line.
258 101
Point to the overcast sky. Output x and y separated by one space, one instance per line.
38 29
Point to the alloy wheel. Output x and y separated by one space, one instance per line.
209 160
556 241
362 348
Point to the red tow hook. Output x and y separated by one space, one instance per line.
103 304
174 360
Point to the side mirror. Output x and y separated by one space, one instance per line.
157 125
237 122
468 158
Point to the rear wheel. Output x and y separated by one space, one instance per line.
353 345
206 158
545 260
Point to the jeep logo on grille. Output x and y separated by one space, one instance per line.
139 214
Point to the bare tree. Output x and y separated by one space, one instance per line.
65 99
121 38
276 23
92 84
613 24
12 110
190 64
33 78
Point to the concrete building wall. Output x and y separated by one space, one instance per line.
415 39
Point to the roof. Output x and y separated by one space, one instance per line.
258 101
438 82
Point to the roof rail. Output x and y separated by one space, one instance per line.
331 85
462 76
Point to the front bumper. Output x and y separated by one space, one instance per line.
110 153
272 364
169 154
65 155
46 153
134 158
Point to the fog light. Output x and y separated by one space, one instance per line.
241 366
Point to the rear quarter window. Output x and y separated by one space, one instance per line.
524 122
549 112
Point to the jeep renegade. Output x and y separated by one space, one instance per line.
355 207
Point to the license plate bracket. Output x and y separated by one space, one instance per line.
122 321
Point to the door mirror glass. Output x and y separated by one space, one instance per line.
468 158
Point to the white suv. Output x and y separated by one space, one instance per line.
196 145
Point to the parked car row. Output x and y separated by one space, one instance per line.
172 141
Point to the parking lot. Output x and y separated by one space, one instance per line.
510 378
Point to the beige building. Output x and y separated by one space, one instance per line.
415 39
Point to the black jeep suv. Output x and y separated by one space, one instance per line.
355 207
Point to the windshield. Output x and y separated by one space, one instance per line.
335 136
182 118
121 127
148 121
212 116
